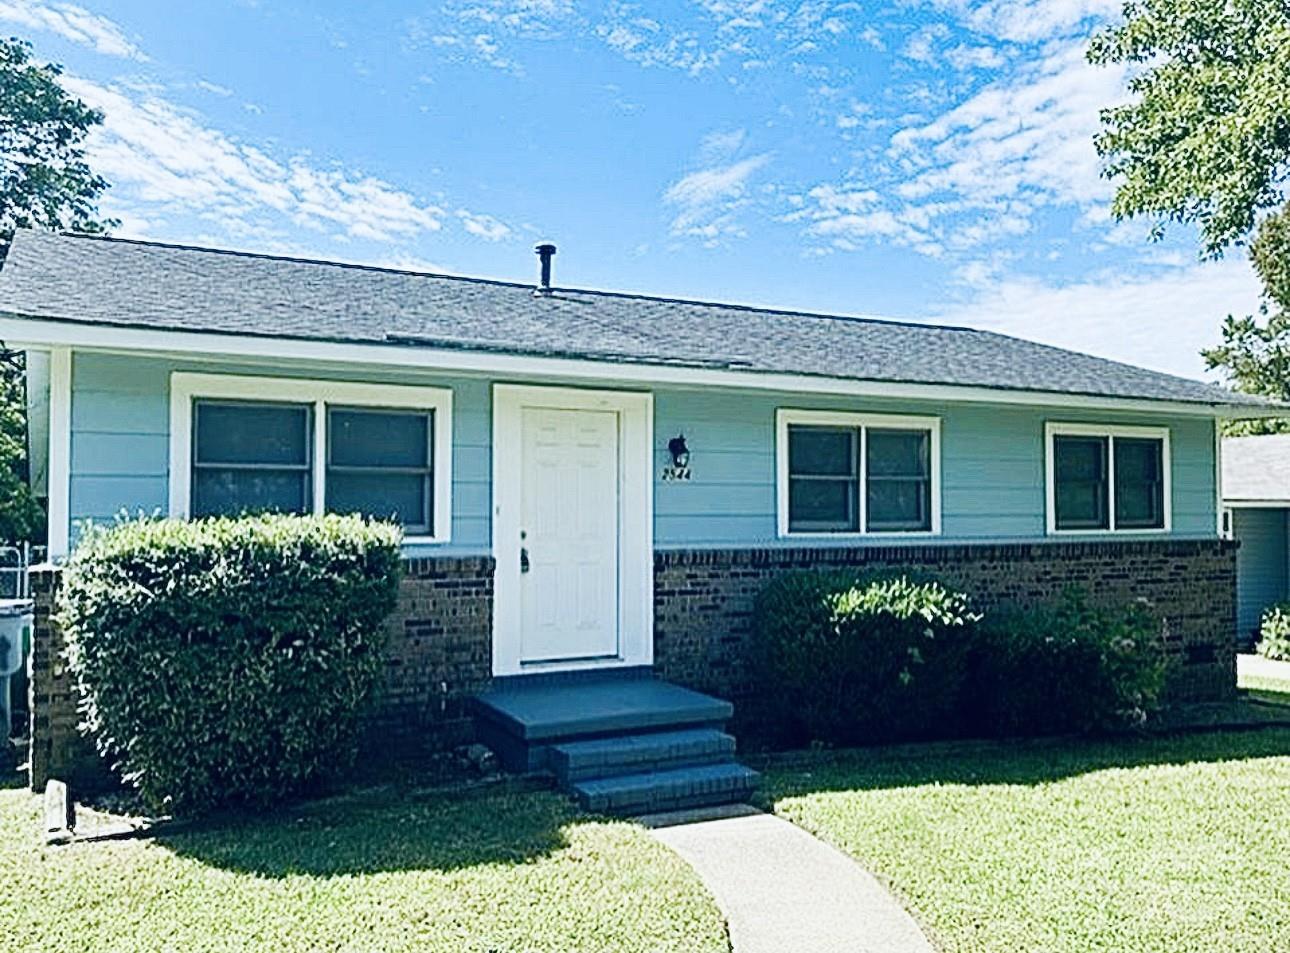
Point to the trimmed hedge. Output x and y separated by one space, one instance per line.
225 661
1069 666
844 659
1274 633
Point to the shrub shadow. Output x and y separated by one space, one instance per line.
1025 762
419 833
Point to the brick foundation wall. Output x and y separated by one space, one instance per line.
58 750
439 653
703 599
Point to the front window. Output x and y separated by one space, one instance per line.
253 445
251 457
899 480
850 473
1082 474
1108 479
380 463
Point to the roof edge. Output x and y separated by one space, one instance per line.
506 283
47 333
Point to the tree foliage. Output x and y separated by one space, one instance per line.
1206 137
1205 141
44 183
44 179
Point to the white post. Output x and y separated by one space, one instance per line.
60 451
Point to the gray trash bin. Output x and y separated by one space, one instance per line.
15 643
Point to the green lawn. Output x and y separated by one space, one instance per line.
1173 845
493 873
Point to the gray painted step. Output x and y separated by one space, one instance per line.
636 754
559 711
671 790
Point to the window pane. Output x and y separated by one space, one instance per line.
1079 468
399 496
270 434
822 505
1139 483
220 492
898 453
379 438
899 505
1080 458
822 451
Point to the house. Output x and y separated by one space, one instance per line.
1256 499
596 484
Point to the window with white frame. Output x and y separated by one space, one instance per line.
843 473
248 444
1104 479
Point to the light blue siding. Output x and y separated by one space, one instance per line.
1261 564
992 467
121 439
992 455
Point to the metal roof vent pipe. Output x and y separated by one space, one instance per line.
545 252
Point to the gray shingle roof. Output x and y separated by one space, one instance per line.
1257 469
146 285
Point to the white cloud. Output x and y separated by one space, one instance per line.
1029 20
1159 320
163 161
648 42
980 171
215 89
71 23
484 226
707 199
1031 132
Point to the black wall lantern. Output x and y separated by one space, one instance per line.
680 468
679 451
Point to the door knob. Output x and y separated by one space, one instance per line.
524 559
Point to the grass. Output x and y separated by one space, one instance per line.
1166 845
495 873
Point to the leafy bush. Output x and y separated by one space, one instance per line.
1068 666
843 659
1274 633
226 660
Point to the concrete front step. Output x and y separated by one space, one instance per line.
552 711
638 753
670 790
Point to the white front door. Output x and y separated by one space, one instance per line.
569 535
572 529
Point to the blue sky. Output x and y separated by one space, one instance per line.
916 159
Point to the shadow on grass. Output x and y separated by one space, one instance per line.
1020 762
359 838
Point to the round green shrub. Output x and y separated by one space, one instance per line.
1274 633
842 659
1066 666
225 661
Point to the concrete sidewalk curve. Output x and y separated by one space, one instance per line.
784 891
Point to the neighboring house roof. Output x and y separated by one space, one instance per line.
1256 469
120 283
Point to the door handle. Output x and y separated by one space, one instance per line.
524 559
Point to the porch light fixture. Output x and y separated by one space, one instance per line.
679 451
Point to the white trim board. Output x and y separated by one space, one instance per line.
58 526
1060 429
787 416
636 521
38 333
186 386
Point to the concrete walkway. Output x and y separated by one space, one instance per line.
783 891
1259 667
